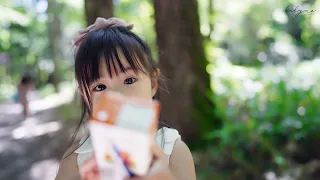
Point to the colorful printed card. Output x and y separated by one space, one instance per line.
122 130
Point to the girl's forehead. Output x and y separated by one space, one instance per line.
113 67
115 57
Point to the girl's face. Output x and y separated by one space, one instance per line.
127 83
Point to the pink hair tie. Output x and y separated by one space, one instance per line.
99 24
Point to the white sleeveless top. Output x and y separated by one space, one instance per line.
165 138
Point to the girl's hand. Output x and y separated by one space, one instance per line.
159 169
90 170
99 24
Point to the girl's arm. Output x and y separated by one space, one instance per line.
181 162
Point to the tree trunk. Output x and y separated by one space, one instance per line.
183 63
98 8
210 18
55 37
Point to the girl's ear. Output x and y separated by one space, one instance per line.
154 81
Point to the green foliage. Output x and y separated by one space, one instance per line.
269 112
46 90
7 91
71 112
265 110
141 14
24 37
25 43
247 28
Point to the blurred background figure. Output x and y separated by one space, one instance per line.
24 88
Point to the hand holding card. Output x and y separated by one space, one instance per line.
122 130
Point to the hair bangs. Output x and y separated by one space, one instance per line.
109 45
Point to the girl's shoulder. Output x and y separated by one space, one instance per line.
166 138
181 162
171 134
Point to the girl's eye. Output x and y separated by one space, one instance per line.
100 87
130 81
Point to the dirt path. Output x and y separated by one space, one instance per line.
30 149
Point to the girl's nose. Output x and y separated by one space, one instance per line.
117 89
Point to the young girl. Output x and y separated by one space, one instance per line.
111 57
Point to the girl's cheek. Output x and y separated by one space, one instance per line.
95 97
139 91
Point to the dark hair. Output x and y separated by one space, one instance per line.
108 43
26 79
